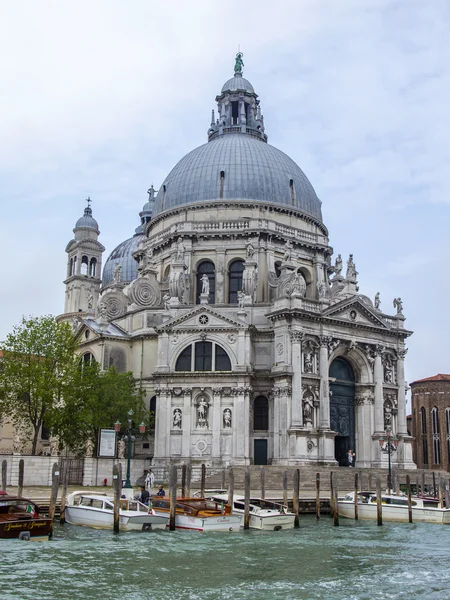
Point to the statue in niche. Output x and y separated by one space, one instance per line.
90 300
377 301
388 370
338 265
351 268
287 251
177 419
121 449
398 304
205 284
166 299
309 362
180 249
227 418
202 412
117 276
387 415
250 249
307 411
321 289
241 299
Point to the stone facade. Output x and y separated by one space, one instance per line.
431 422
251 345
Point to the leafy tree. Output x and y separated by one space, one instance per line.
37 366
95 400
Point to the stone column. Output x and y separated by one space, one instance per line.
160 424
240 425
378 380
401 400
276 425
168 408
324 411
220 275
247 392
296 396
187 423
216 424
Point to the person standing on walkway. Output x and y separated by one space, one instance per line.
351 458
149 481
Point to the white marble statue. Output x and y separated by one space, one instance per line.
202 413
241 299
227 418
121 449
287 251
338 265
398 304
166 299
117 276
90 300
250 249
180 249
351 268
205 284
377 301
177 419
89 448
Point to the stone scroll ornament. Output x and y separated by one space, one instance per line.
292 284
115 305
145 292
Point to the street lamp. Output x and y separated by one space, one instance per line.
129 438
389 448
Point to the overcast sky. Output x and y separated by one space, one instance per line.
103 97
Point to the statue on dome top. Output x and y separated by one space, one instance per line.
151 192
238 64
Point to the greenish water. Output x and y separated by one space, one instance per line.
354 561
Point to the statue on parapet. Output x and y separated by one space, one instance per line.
398 304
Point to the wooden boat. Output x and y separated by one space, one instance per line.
199 514
97 510
264 514
394 508
19 518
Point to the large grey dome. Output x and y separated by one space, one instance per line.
238 83
123 256
252 170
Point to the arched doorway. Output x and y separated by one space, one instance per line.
342 408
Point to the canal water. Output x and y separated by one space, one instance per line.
355 561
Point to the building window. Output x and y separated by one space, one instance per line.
423 418
93 267
207 356
436 436
261 414
84 265
206 268
235 280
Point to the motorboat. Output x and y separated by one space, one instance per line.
20 519
264 514
394 508
198 514
97 510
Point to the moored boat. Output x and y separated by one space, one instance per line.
264 514
394 508
97 511
198 514
20 519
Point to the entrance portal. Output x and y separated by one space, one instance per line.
342 408
260 456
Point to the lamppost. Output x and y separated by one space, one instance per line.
129 438
389 448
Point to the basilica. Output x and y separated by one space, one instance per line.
250 339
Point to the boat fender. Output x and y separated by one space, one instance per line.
25 535
230 529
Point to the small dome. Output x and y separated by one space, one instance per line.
87 220
238 83
123 256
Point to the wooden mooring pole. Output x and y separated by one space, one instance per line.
117 486
408 492
356 496
285 488
183 481
54 494
296 496
335 501
4 474
317 496
441 491
331 494
434 485
370 484
379 510
422 483
223 479
188 480
20 486
247 498
263 482
173 495
62 510
447 494
203 481
230 488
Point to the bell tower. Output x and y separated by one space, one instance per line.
84 264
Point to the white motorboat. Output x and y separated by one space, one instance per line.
97 510
394 508
199 514
264 514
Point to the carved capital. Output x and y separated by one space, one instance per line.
402 353
297 336
325 340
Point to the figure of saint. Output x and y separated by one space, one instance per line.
338 265
89 448
387 415
117 276
180 249
149 257
250 249
166 299
351 268
75 323
205 284
307 411
241 298
287 251
202 412
321 289
308 362
296 284
90 300
177 418
121 449
377 301
151 193
239 63
227 418
398 304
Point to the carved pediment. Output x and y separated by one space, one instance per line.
354 310
202 317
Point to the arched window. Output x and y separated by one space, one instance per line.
235 280
93 267
436 436
84 265
261 414
206 268
207 356
88 358
70 268
423 418
74 266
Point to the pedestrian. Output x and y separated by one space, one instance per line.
351 458
149 481
161 491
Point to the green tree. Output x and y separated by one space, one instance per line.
95 400
37 366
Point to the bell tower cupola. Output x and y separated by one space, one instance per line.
84 264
